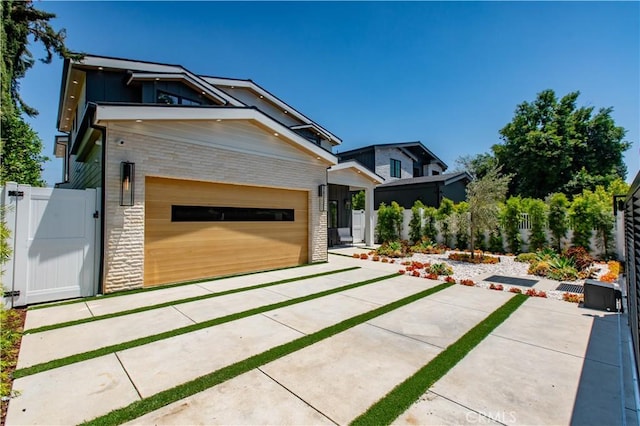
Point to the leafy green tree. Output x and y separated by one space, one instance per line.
415 224
496 243
484 197
21 152
511 218
581 220
585 148
20 146
459 224
445 210
557 218
358 201
430 230
389 224
537 211
603 220
477 166
480 242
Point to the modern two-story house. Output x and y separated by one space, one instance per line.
200 176
411 172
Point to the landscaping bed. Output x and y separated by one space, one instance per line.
469 272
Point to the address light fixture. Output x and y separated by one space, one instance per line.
127 181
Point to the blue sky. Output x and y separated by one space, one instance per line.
449 74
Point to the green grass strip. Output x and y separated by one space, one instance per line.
202 383
180 301
396 402
162 287
50 365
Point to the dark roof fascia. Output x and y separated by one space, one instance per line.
397 145
134 104
446 178
130 60
454 177
357 150
227 78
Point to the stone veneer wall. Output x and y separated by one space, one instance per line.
154 156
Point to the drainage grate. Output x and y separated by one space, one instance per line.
511 280
571 288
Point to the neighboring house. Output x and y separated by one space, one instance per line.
200 176
394 161
430 190
411 172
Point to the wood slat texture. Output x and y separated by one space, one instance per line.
182 251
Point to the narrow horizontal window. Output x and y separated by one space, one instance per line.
230 214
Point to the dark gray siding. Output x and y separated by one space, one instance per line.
105 86
149 91
430 194
456 191
365 157
340 193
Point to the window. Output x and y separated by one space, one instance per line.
396 168
434 173
230 214
171 99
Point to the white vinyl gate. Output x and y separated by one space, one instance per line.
358 226
53 240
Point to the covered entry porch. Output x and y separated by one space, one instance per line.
344 179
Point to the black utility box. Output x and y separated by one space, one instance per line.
600 295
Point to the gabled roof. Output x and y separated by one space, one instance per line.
446 179
262 93
212 87
414 145
357 168
105 112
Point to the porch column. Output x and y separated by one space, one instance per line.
368 216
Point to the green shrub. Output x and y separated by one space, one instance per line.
537 215
525 257
511 218
415 224
390 220
430 230
557 218
496 244
445 210
393 249
441 269
480 241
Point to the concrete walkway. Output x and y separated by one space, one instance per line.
549 363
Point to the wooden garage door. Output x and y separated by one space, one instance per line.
178 249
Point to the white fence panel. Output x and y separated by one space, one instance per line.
53 232
358 226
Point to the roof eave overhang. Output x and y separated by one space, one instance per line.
106 113
248 84
359 169
189 79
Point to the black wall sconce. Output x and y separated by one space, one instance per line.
322 193
127 180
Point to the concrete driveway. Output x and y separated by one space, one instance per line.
549 363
